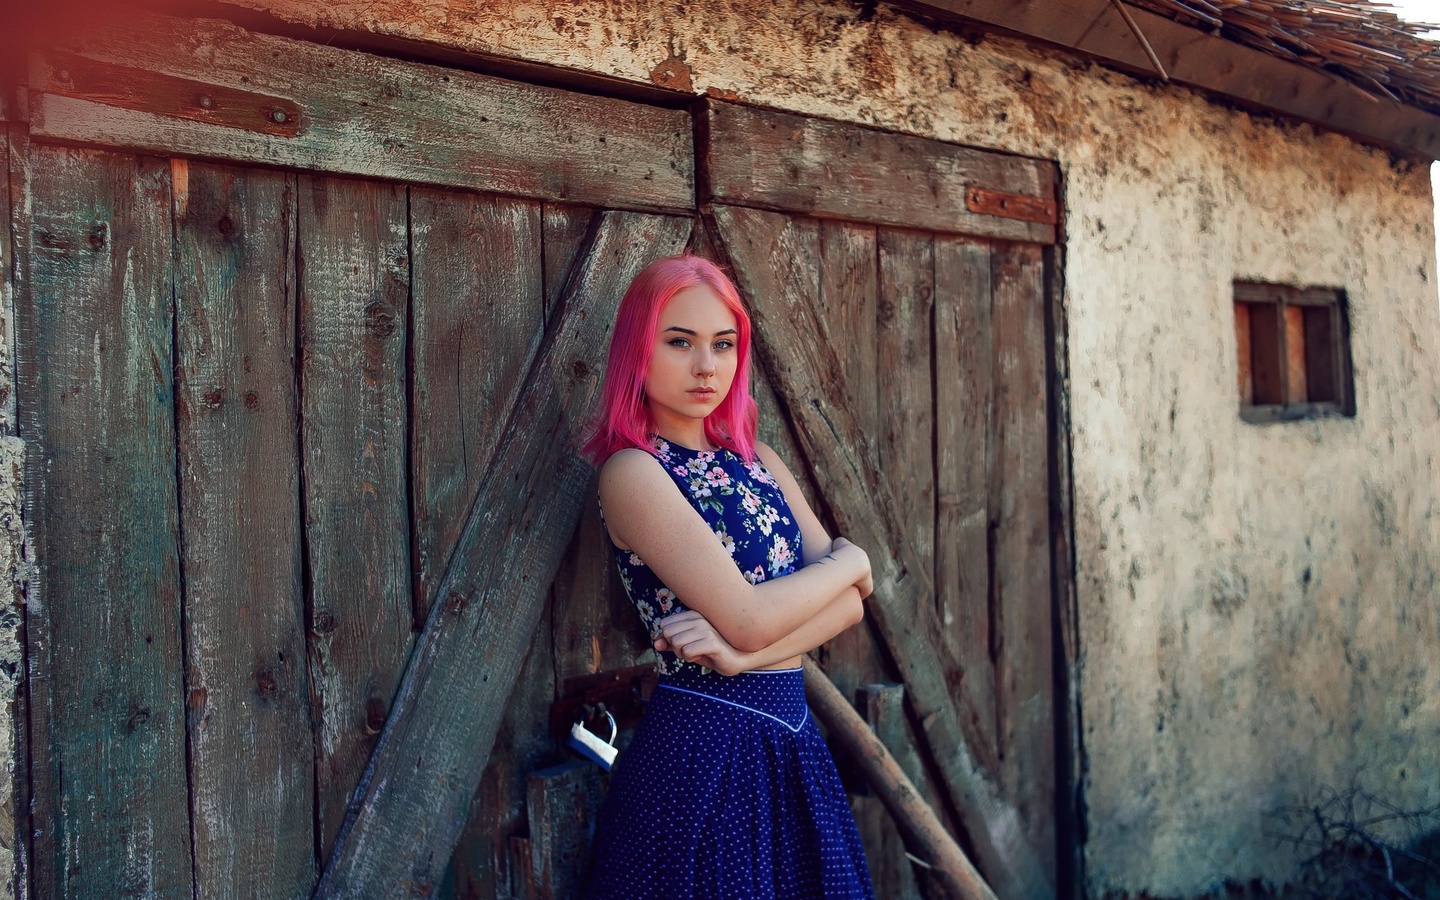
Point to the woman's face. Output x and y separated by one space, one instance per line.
692 364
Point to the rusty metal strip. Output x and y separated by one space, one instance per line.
70 75
1012 206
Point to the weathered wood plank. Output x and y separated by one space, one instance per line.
485 861
251 749
354 286
797 164
906 434
1069 827
476 325
383 118
1019 504
1206 61
848 286
563 228
412 800
563 803
881 706
849 283
963 400
775 266
95 368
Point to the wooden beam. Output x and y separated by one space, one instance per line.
775 160
1202 60
358 115
775 264
910 811
412 800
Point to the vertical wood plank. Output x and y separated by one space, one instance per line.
354 284
477 324
904 306
95 354
849 282
564 229
963 451
1019 504
484 860
848 287
563 802
476 327
882 706
251 750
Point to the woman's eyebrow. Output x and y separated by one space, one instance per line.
695 333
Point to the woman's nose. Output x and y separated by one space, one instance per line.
705 362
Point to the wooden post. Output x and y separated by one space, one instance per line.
910 811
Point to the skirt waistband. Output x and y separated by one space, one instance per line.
777 694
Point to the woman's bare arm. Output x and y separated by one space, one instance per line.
645 512
691 637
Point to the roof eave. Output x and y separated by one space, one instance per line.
1205 61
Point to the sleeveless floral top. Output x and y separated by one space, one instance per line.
745 508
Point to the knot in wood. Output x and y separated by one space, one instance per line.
454 603
379 319
225 226
252 400
139 715
215 399
266 684
374 715
324 621
580 369
97 237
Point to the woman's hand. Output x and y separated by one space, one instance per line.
841 550
692 638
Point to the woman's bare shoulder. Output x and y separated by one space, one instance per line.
769 458
630 463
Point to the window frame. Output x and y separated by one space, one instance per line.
1338 359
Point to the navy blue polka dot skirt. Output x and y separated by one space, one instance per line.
727 791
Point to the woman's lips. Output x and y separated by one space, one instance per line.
701 393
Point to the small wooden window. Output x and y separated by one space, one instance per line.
1294 349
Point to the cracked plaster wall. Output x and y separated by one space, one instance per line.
1258 604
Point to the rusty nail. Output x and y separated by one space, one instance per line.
206 102
62 74
278 117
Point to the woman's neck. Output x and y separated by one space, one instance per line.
689 433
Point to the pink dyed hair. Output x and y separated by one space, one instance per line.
623 419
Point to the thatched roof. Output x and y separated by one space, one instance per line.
1361 42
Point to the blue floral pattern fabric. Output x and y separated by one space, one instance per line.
743 505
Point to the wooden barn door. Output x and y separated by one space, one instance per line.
901 291
260 405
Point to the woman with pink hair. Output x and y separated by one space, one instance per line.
727 789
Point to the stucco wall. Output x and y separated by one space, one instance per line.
1258 603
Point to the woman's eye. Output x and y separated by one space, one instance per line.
678 342
724 345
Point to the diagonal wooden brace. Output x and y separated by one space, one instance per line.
410 805
777 269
